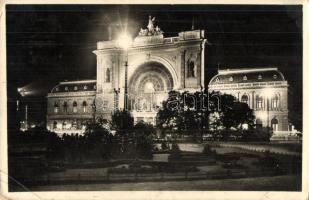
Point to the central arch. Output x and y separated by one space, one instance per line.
148 87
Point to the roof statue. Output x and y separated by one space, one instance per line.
151 29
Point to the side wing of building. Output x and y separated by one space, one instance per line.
70 105
265 90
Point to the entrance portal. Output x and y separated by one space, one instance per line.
148 87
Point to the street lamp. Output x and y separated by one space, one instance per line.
124 42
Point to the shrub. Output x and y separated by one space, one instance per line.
164 146
175 152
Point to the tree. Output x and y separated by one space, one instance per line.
143 139
98 139
183 113
233 114
122 120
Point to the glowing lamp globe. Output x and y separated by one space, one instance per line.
124 41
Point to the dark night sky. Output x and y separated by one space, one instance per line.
54 43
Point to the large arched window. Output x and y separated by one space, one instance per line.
274 124
191 70
259 102
74 107
108 75
245 99
84 106
275 102
65 107
56 107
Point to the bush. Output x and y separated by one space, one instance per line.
164 146
175 152
207 150
258 134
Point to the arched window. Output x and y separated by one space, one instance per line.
75 88
244 78
55 125
65 107
191 70
74 107
56 107
275 102
274 124
259 102
84 106
245 99
231 79
108 75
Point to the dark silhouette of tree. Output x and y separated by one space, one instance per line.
191 114
98 139
143 139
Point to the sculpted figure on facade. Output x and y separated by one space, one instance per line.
151 29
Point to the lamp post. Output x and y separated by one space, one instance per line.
124 42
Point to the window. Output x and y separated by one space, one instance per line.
274 124
259 102
75 88
66 88
85 87
231 79
94 87
244 78
245 99
275 76
260 77
55 125
275 102
74 107
56 107
258 123
108 75
65 107
84 106
191 70
64 125
217 79
74 123
57 89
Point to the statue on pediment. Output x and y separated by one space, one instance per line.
151 29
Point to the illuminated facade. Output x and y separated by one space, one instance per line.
70 105
156 65
265 90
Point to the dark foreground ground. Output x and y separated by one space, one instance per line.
275 183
